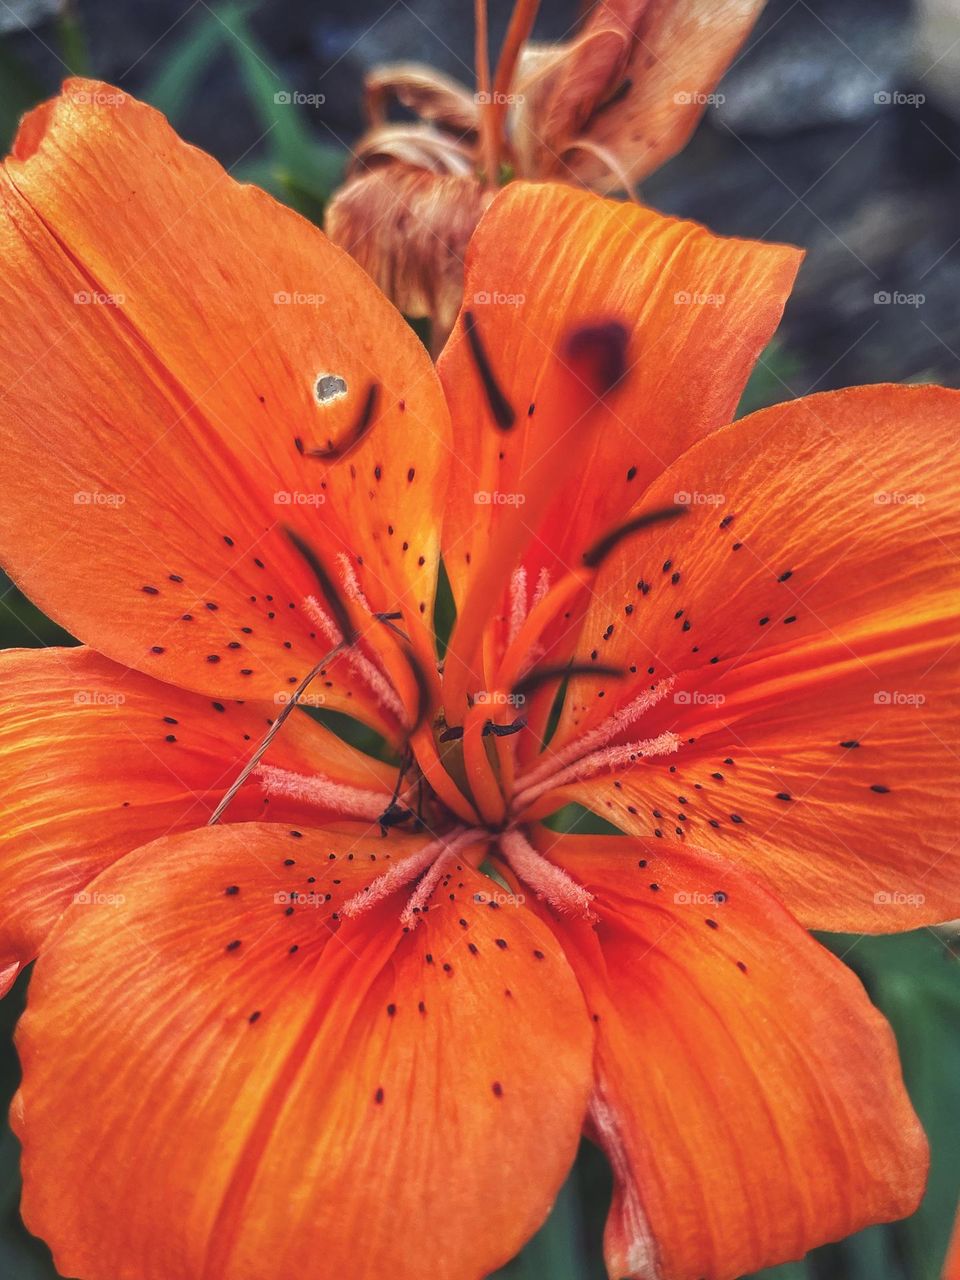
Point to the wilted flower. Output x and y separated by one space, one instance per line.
601 110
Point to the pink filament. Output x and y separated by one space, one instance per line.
417 905
518 602
343 800
545 878
371 675
407 870
597 762
600 736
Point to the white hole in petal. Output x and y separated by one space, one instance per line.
329 387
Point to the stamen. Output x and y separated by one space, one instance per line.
605 732
544 675
347 631
603 546
597 762
372 676
354 802
548 881
403 872
493 730
411 913
271 733
503 413
542 588
351 584
518 602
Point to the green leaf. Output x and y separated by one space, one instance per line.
171 88
22 625
575 819
302 170
772 380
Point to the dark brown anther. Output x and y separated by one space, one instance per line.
594 555
327 588
500 407
543 675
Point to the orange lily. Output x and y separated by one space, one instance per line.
317 1029
603 110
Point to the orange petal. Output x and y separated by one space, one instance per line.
641 74
804 610
96 760
395 1103
183 325
747 1093
409 229
546 263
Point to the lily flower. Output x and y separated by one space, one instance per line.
296 1004
602 109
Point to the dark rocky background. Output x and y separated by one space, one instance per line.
801 150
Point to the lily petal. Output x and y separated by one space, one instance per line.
241 1054
801 624
175 346
422 89
536 443
96 760
632 86
747 1094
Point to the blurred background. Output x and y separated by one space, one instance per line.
838 130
